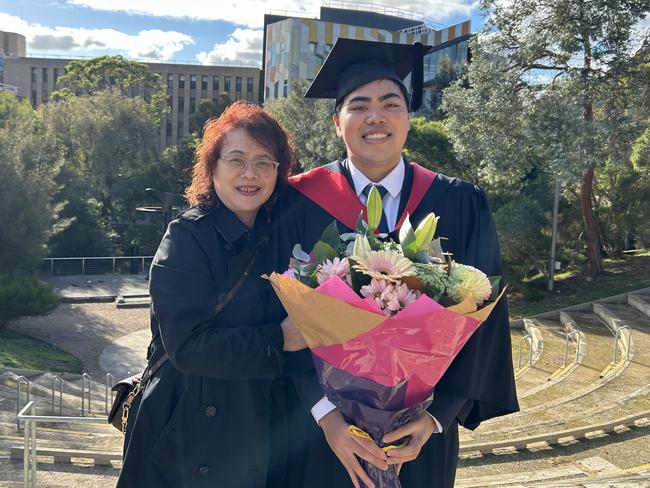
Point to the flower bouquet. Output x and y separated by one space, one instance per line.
383 319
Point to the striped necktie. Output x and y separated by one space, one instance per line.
383 224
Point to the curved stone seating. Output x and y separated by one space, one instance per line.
625 392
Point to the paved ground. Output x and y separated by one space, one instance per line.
94 286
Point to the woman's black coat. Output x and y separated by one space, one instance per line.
218 413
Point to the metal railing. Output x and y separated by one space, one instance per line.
9 88
21 381
96 265
57 380
579 341
619 331
529 340
28 416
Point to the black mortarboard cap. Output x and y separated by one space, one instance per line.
352 63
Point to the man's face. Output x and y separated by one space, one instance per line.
373 122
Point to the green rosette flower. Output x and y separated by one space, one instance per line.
467 281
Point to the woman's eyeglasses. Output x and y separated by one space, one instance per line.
261 167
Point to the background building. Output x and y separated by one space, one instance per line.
35 78
295 47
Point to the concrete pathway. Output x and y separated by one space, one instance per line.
127 355
97 287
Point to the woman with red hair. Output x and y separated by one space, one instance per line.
217 412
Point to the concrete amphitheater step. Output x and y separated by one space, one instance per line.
608 399
593 354
548 348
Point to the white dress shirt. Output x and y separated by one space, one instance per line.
390 203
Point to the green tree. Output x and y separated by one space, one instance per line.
537 77
310 123
29 162
129 78
110 149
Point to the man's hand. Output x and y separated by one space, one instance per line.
293 339
348 446
419 430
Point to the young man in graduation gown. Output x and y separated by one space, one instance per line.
372 118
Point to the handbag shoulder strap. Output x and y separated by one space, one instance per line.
222 301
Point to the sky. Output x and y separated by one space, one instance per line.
196 31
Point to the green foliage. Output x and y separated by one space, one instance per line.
429 145
29 162
208 109
640 157
129 78
24 295
110 148
543 91
310 123
519 224
181 158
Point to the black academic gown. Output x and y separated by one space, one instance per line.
480 382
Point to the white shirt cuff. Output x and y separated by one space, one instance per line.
436 421
322 408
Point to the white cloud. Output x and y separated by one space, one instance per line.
250 13
243 46
153 44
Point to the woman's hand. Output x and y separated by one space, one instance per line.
419 430
348 446
293 339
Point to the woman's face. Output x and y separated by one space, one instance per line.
246 191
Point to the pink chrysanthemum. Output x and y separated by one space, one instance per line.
336 267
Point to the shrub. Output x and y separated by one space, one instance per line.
24 295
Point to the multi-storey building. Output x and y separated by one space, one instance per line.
35 78
295 47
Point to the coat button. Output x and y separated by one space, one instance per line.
204 470
210 411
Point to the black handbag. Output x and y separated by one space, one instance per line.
127 389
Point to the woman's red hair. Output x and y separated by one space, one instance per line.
259 125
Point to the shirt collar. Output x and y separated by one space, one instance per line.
392 181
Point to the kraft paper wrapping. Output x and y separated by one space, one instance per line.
322 319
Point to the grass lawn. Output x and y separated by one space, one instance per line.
573 286
20 351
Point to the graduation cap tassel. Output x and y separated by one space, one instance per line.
417 76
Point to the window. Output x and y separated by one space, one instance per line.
181 82
238 84
285 89
192 82
268 92
181 105
204 82
192 105
168 129
226 83
45 96
34 74
170 102
250 84
56 74
45 75
34 98
275 90
215 83
170 80
181 128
